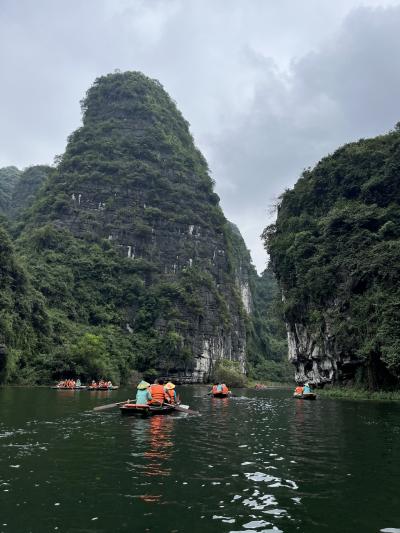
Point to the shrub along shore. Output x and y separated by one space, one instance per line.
353 393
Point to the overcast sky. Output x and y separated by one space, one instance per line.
268 86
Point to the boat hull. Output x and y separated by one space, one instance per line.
131 409
309 396
221 395
114 387
82 387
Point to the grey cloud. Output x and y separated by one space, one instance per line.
346 90
268 87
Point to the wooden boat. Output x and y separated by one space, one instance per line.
82 387
134 409
221 394
306 396
113 387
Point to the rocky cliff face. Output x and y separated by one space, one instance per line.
133 194
317 359
335 251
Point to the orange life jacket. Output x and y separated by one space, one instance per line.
157 393
298 390
215 389
225 389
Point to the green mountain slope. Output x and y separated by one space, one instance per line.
24 324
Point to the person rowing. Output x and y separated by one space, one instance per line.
171 393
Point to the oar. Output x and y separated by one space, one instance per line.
185 410
108 406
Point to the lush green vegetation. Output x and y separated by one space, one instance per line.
267 342
24 323
335 250
228 372
355 393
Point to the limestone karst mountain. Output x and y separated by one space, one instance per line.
335 249
129 246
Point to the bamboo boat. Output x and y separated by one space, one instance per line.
134 409
113 387
221 394
307 396
81 387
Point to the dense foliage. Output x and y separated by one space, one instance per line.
267 337
335 250
24 324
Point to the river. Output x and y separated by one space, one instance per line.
260 462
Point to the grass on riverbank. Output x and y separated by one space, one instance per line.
358 394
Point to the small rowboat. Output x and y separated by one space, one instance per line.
221 394
113 387
307 396
134 409
82 387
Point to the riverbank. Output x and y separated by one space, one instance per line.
251 384
349 393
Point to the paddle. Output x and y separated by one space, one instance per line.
182 409
109 405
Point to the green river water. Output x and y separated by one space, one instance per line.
260 462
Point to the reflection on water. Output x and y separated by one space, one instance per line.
259 462
159 446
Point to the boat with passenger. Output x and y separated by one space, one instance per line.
220 390
101 386
69 384
304 392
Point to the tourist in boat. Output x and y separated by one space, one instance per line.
307 389
216 388
224 389
93 384
299 390
171 392
157 392
143 394
78 383
219 388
